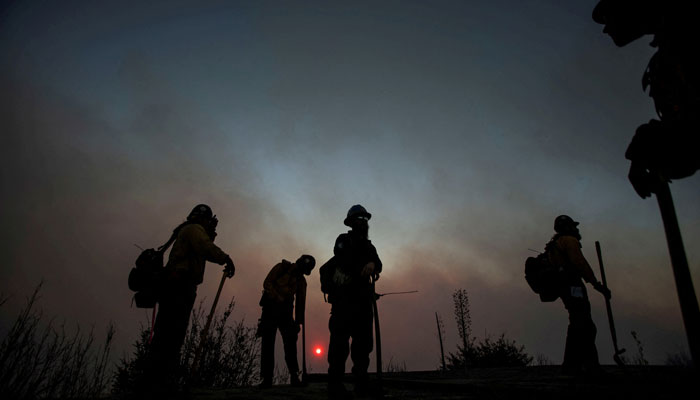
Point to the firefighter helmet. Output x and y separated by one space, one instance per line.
306 262
200 212
564 223
356 211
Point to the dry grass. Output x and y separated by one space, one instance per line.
229 357
39 360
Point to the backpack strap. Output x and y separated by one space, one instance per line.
170 241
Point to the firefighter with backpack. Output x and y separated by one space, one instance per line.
193 246
347 280
564 252
284 286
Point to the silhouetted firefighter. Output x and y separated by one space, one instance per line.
564 252
667 148
283 284
184 271
347 280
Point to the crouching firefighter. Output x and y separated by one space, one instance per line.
283 284
580 353
194 245
347 280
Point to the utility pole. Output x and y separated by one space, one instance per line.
681 272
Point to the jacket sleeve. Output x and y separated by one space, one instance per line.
202 245
572 249
300 302
377 261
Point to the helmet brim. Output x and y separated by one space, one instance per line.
346 222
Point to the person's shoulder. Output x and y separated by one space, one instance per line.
190 231
342 239
568 241
343 236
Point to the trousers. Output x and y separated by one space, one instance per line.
175 306
580 351
274 317
350 321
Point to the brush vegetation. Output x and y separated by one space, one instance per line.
229 356
39 360
489 352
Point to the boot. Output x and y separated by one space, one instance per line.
294 380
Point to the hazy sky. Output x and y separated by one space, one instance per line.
464 127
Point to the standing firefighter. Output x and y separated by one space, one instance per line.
184 271
283 284
347 280
580 353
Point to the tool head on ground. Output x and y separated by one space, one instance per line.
618 360
356 213
565 224
306 263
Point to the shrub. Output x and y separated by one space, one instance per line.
487 353
501 352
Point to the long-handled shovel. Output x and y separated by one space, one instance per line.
616 356
205 330
303 353
377 337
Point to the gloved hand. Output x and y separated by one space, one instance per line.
602 289
229 268
368 270
297 324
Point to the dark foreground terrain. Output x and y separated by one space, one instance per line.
652 382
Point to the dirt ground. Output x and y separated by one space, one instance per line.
651 382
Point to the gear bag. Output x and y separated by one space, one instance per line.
326 272
146 277
544 278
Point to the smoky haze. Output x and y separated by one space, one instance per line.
465 129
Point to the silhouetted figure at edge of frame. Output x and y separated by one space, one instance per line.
283 284
194 245
350 293
669 146
580 353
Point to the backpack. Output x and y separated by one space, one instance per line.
326 272
145 279
543 277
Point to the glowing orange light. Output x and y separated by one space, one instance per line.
318 351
